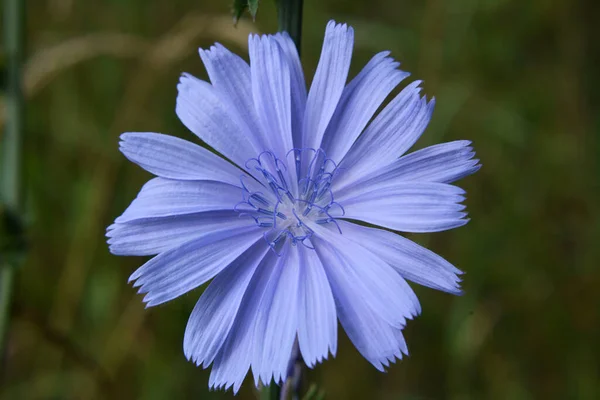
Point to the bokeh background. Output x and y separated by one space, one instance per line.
518 78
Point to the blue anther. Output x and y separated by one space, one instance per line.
260 198
263 211
251 201
289 195
282 179
313 197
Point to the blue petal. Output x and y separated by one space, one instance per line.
215 312
177 271
444 163
276 325
173 158
328 82
373 337
372 280
233 361
230 76
271 90
272 99
154 235
392 132
317 319
162 198
412 261
359 101
400 124
297 83
204 112
406 206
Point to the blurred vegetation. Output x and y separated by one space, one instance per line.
518 78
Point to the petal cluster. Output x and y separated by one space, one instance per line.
278 225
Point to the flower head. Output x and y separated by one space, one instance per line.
277 224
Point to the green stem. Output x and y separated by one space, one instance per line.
289 17
10 163
293 382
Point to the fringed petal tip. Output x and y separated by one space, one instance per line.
319 359
384 364
255 39
223 383
212 51
186 80
284 37
110 229
337 27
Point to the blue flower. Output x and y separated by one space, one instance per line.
276 222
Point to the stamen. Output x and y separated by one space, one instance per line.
259 197
284 212
249 161
335 203
263 211
265 224
282 179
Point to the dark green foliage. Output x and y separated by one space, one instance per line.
12 238
313 393
3 73
240 6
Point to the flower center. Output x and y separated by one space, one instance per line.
292 196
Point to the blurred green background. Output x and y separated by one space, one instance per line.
518 78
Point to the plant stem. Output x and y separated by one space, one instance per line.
10 164
289 17
291 387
